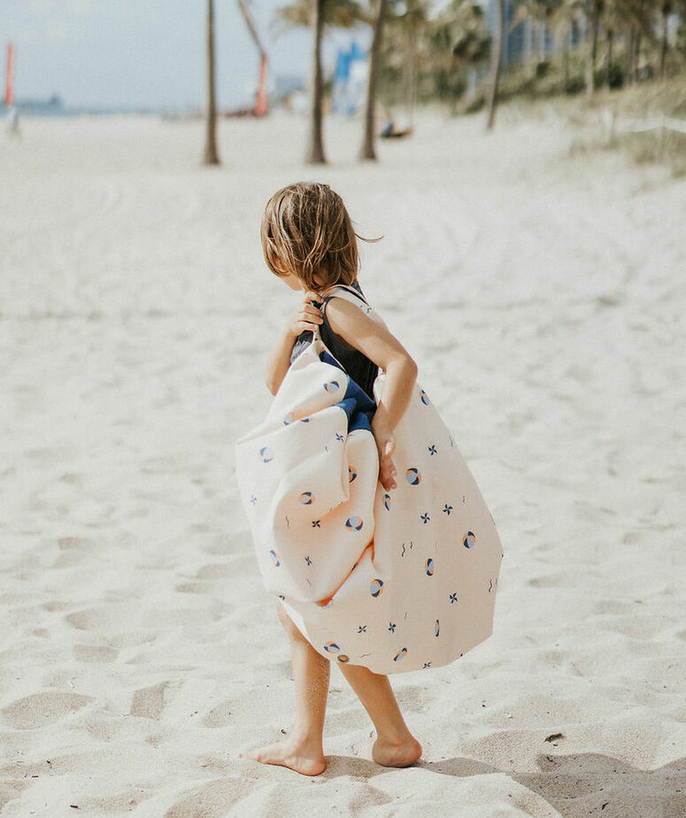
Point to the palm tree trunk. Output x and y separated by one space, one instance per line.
529 58
590 64
608 67
541 41
496 55
628 54
211 156
637 52
415 78
565 57
532 46
412 73
663 47
367 151
315 148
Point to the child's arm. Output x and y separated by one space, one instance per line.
382 347
304 317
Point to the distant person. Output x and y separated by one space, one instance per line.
13 120
367 523
389 131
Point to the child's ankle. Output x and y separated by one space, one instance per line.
394 739
303 738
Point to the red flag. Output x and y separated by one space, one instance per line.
261 104
9 84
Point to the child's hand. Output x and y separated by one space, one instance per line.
385 443
306 317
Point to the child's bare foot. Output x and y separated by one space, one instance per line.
396 754
303 758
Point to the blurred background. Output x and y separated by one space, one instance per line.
82 56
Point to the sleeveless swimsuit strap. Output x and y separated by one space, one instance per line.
346 289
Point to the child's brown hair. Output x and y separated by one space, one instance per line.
306 231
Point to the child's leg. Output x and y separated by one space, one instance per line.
302 750
395 745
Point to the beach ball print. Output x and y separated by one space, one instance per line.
429 567
276 559
437 628
306 498
387 502
332 386
424 397
266 454
400 654
326 604
352 473
413 476
288 420
331 647
343 658
469 539
376 587
354 523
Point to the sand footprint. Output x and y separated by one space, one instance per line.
42 708
613 606
549 580
213 800
215 570
108 618
121 802
95 653
149 701
191 588
219 716
76 544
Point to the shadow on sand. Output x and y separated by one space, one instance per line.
577 785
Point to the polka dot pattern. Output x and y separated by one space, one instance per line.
395 580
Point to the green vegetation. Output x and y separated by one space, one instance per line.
603 48
429 59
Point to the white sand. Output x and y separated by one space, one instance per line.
544 299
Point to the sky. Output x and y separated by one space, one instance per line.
147 53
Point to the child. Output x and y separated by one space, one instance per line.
385 575
309 241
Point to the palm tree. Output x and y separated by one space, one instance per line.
211 156
634 16
314 154
317 13
594 16
496 55
411 24
539 13
337 14
562 21
458 40
367 150
635 19
612 20
666 9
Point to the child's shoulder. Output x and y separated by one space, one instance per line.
355 297
352 293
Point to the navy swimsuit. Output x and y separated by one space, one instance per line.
357 366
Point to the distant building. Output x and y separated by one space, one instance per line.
41 107
349 79
528 38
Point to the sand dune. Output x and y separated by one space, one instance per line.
543 298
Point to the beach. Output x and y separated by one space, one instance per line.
542 295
